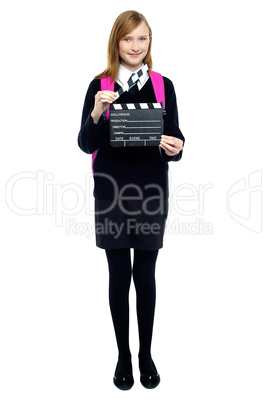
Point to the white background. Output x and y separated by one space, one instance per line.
57 340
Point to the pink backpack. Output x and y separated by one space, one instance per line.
158 85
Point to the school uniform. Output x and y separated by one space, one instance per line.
130 183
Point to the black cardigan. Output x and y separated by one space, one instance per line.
115 167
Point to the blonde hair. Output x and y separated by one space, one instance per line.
123 25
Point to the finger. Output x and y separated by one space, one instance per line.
111 98
172 141
111 94
106 92
106 98
168 153
106 95
168 139
169 148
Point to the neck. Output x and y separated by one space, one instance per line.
133 69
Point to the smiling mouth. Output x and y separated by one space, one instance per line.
134 54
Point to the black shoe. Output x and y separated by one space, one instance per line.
124 383
150 381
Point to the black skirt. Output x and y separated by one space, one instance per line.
130 224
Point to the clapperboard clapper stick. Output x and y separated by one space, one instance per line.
135 124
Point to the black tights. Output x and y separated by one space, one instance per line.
120 273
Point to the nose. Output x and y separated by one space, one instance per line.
135 46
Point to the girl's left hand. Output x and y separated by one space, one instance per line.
171 145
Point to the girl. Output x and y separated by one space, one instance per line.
131 190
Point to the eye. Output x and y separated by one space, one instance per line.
143 39
127 39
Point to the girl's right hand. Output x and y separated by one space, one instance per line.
102 101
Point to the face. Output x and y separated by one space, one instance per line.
134 47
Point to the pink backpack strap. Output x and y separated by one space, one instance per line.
106 85
158 86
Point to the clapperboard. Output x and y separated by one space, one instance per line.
135 124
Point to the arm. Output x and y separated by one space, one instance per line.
173 140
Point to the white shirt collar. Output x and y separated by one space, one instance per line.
124 74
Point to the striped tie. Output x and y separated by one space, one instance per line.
132 80
134 87
131 77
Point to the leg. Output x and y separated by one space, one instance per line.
144 280
120 272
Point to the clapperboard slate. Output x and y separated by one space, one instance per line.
135 124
